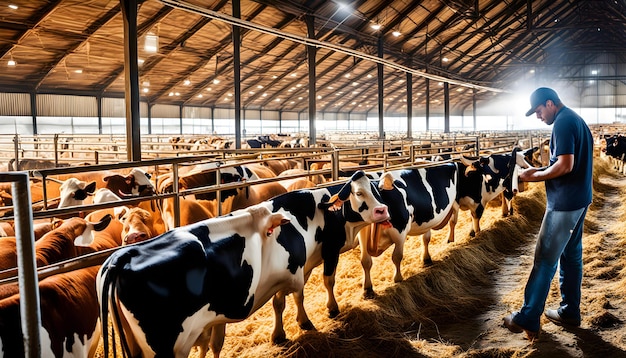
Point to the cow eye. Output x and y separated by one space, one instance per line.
358 193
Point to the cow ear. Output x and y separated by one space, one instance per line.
56 222
86 238
386 181
276 220
333 204
119 211
91 187
103 223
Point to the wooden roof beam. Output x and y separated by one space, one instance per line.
33 22
87 33
141 29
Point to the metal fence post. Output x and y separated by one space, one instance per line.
28 283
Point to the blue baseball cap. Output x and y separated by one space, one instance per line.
540 96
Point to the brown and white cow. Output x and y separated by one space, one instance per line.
72 238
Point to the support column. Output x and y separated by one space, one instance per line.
311 54
427 104
446 107
381 73
99 109
131 79
237 72
474 107
33 111
409 105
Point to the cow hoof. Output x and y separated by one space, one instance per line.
333 313
427 262
280 340
472 233
308 326
369 293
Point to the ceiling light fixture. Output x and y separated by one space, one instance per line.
216 81
11 62
151 43
396 33
376 26
12 6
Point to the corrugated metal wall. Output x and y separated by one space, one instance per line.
53 105
15 104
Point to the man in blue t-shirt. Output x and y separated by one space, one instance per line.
568 190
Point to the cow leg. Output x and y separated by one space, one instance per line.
476 215
217 339
505 205
454 218
427 261
396 258
278 302
331 304
301 317
366 263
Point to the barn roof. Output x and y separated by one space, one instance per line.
77 47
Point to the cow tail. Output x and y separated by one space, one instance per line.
104 311
109 288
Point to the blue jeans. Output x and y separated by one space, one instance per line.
559 242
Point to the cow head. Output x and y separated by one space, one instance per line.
73 192
139 182
138 225
364 199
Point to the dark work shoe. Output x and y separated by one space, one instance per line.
554 316
516 328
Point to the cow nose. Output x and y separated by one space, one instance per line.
136 237
381 213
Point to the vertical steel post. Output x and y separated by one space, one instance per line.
25 241
131 79
237 72
311 54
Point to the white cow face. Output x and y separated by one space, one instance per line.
74 192
364 199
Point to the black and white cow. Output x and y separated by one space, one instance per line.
419 200
163 293
485 178
616 149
